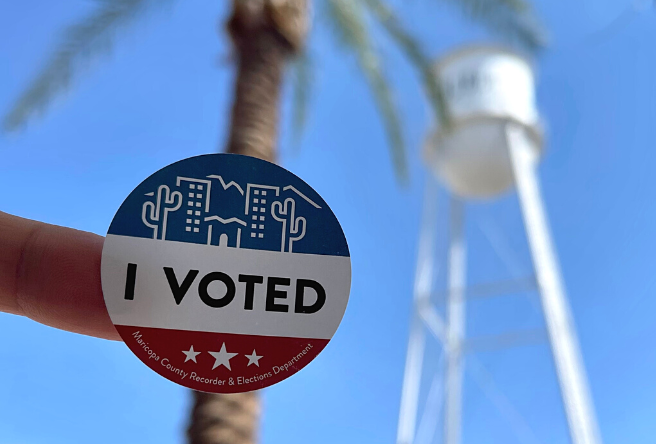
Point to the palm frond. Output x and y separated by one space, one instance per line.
413 51
302 78
80 42
350 26
513 19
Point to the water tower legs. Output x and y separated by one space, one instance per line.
416 342
455 331
562 337
450 330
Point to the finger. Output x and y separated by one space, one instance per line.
51 274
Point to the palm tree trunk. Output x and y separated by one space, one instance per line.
262 57
224 419
265 34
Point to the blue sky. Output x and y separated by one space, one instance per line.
164 94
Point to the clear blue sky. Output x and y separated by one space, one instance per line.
164 94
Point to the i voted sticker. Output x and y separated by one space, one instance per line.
225 273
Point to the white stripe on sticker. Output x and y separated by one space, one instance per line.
188 286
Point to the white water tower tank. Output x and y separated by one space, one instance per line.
485 89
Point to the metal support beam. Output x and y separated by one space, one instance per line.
434 322
455 325
417 340
484 380
489 289
432 411
564 345
505 340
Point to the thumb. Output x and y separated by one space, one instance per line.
51 274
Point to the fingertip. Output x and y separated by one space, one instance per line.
58 281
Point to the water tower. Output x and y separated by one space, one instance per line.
493 143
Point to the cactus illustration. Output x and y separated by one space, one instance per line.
293 228
155 214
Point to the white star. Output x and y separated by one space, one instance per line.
191 354
253 359
222 357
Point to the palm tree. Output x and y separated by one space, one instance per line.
266 35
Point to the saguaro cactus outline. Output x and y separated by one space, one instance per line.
150 213
293 228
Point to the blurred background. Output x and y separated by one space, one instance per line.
162 92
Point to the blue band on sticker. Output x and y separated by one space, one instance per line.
234 201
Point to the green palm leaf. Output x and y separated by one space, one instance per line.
350 27
513 19
302 78
412 49
80 42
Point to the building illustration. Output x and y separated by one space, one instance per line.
259 199
224 232
212 211
196 201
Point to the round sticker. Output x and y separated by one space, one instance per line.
225 273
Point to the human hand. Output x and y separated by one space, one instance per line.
51 274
